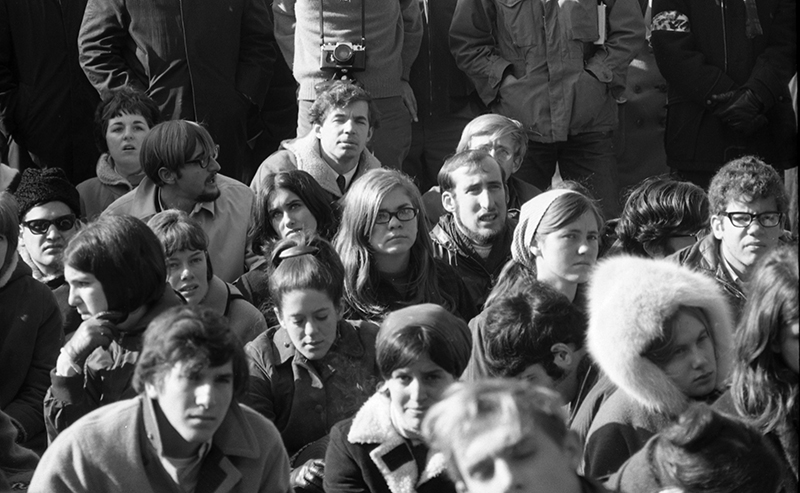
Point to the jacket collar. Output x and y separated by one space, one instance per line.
145 197
347 343
107 174
372 425
447 234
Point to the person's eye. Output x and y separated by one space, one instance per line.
197 260
275 215
322 317
593 237
482 472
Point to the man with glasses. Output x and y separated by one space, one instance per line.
49 206
475 235
179 160
747 203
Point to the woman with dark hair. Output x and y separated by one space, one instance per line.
765 377
30 335
660 217
190 273
121 121
288 203
703 452
314 368
421 350
662 335
387 254
117 277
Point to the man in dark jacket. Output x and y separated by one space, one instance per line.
747 203
728 66
475 235
205 61
46 104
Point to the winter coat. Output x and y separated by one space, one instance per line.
118 448
366 454
204 61
566 85
46 103
101 191
107 375
17 463
30 338
629 300
702 48
304 154
306 398
478 274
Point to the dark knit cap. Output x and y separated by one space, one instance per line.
447 326
40 186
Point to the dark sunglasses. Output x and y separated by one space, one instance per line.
42 226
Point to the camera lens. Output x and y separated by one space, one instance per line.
342 53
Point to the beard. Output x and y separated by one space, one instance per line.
209 196
481 239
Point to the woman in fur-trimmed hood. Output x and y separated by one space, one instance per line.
662 334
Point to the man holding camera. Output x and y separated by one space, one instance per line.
374 44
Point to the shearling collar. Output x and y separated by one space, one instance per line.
108 175
52 281
373 425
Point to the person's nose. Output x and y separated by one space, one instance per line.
127 132
504 477
699 359
213 164
311 329
204 395
52 232
394 222
485 199
287 221
72 298
186 273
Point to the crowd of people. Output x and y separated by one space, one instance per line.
341 247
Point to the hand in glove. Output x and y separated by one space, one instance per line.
97 331
308 477
740 110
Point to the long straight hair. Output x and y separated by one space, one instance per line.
764 389
360 207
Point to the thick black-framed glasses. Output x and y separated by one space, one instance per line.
403 214
204 161
744 219
42 226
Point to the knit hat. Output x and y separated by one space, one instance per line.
40 186
530 215
446 325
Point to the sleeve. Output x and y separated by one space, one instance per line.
342 472
607 448
260 396
412 34
625 39
776 66
256 52
474 48
102 39
64 469
677 53
285 21
26 407
70 398
8 83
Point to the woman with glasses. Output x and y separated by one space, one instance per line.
387 254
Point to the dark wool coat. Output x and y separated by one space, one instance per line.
702 49
30 337
199 60
303 398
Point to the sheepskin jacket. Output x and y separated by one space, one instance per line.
629 300
366 453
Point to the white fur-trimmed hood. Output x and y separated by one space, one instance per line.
629 299
373 424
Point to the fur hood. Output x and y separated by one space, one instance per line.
629 299
373 425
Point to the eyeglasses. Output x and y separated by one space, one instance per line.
403 214
42 226
204 161
744 219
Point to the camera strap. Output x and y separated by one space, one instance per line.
322 22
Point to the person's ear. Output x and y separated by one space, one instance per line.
449 202
317 129
150 390
167 176
340 310
369 134
277 312
563 355
517 165
717 226
535 249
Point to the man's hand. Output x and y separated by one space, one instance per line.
308 477
740 110
408 99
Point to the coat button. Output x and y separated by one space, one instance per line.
637 89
